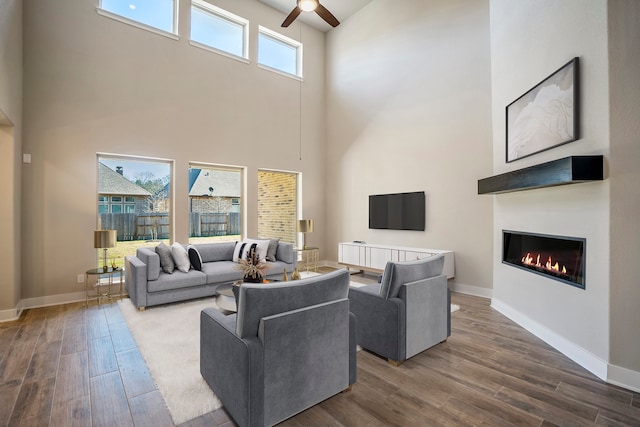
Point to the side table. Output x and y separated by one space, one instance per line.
309 257
102 283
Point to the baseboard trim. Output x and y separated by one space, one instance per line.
53 300
624 377
617 375
471 290
582 357
37 302
11 314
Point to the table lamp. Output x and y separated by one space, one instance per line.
103 239
305 226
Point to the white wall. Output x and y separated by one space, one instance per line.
10 153
408 107
93 84
527 44
624 84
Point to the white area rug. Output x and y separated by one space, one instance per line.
168 338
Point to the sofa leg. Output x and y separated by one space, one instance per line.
395 363
140 308
348 389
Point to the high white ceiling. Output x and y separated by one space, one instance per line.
341 9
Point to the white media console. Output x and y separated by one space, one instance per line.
372 257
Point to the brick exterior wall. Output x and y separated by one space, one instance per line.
277 205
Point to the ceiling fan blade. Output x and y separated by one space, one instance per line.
327 16
292 17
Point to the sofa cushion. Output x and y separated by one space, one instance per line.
216 251
397 273
177 280
285 253
222 271
194 258
180 257
166 259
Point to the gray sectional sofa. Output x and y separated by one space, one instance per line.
148 285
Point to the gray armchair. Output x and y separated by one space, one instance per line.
290 346
406 313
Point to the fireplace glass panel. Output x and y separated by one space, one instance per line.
556 257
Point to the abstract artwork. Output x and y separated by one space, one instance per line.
546 116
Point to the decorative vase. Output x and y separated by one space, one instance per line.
295 275
249 279
284 275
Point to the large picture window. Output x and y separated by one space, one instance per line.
157 14
215 208
215 28
278 52
134 196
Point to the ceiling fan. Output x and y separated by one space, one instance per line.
310 6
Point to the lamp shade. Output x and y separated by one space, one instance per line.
104 238
305 225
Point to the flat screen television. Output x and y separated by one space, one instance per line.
399 211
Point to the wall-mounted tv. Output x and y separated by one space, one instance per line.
399 211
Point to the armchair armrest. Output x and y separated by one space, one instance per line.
427 313
380 322
232 367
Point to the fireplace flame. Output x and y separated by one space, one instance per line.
549 265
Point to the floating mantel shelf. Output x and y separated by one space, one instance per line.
568 170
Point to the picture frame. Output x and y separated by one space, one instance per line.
546 116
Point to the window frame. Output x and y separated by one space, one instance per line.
298 46
125 20
242 170
225 15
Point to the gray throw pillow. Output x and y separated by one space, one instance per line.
272 249
166 260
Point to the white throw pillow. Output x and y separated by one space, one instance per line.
180 257
245 246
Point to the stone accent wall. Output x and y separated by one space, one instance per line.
277 205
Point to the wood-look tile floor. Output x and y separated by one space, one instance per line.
71 366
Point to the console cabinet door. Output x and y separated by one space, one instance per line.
377 257
351 254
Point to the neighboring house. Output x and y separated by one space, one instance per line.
116 194
215 191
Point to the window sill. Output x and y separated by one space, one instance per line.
136 24
219 52
282 73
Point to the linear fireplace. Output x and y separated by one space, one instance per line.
556 257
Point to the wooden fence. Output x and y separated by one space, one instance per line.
213 224
155 226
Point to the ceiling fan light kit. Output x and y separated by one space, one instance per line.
310 6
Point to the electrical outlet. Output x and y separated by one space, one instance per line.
80 278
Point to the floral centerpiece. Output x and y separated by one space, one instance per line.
253 267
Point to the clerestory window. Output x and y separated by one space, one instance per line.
278 52
147 14
217 29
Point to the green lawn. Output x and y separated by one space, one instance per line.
122 249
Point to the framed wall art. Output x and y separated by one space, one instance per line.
546 116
